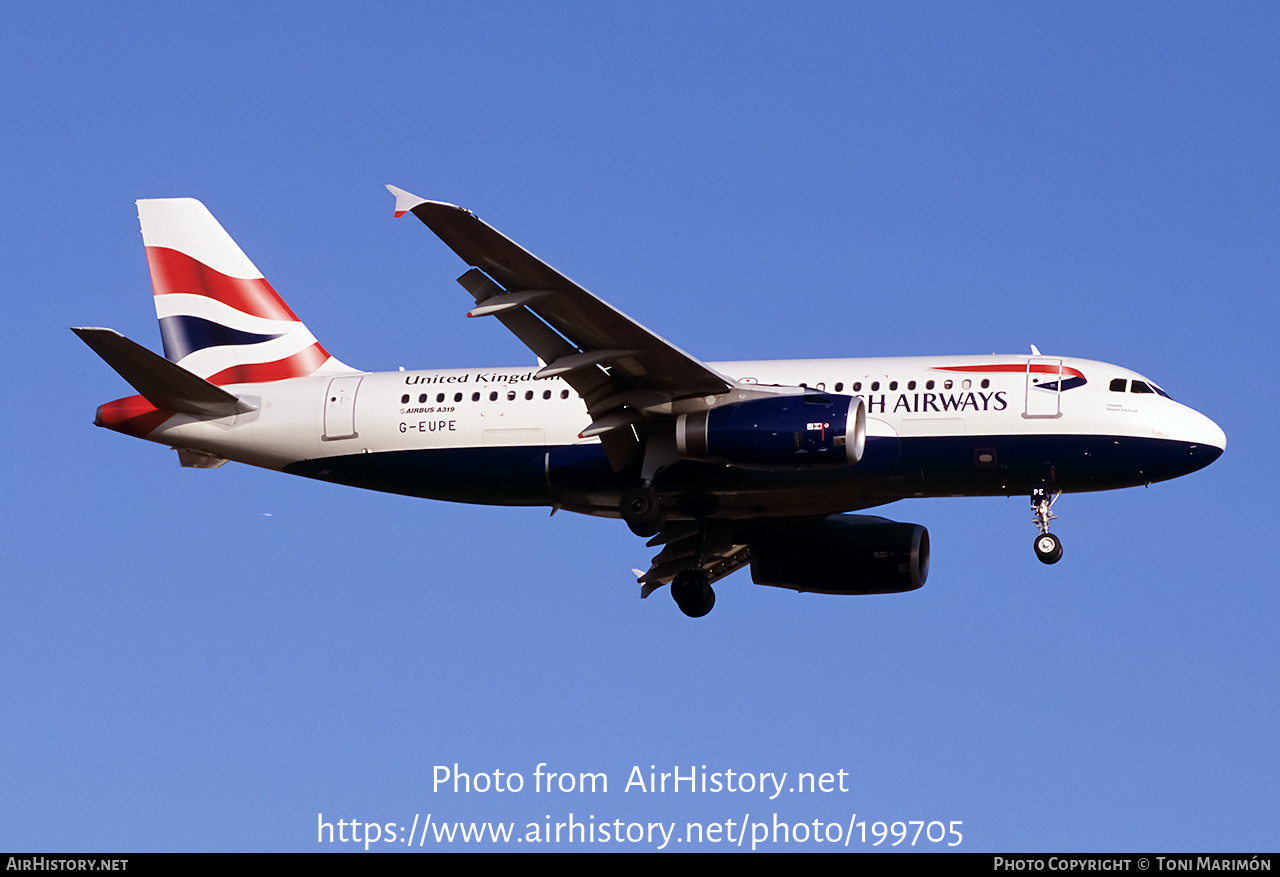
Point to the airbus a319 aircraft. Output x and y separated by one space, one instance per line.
722 464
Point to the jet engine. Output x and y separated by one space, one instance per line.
812 429
842 554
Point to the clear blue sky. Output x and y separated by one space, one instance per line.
206 660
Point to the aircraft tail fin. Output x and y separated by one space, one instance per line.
219 317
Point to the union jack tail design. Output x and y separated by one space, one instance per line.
219 318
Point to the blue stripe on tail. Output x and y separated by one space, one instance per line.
183 334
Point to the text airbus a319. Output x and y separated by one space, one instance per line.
722 464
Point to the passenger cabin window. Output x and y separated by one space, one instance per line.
875 385
911 385
985 383
839 386
1117 385
893 385
457 397
928 385
404 400
857 386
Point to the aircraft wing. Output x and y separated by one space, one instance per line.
619 367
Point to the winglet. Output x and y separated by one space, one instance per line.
405 201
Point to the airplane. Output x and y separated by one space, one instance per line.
723 464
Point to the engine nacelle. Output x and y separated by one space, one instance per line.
842 554
812 429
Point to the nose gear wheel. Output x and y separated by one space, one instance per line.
1048 547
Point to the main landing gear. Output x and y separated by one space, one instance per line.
693 593
691 588
1048 547
642 511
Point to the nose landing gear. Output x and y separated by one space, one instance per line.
1048 547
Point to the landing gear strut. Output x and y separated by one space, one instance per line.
1048 547
692 592
642 511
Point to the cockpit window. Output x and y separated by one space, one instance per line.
1118 384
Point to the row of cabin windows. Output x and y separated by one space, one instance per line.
874 386
475 397
854 387
1118 384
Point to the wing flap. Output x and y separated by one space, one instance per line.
705 545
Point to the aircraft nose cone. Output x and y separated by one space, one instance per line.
1204 431
1206 439
1217 438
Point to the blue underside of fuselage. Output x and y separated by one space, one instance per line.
890 469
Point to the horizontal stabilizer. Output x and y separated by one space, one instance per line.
164 384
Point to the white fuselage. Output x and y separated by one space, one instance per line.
948 409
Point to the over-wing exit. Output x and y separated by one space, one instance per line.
721 464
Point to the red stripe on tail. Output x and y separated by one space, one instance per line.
297 366
172 271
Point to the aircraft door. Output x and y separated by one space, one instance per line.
340 408
1044 380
